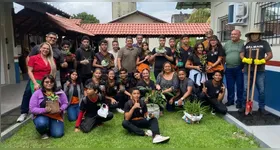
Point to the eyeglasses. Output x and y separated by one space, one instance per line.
49 82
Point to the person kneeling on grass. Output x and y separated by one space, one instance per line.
213 93
136 117
88 108
48 118
186 89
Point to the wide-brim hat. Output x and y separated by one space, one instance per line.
254 30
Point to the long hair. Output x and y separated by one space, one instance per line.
167 62
78 81
48 76
196 46
219 45
50 58
142 50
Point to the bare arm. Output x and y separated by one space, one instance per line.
269 56
138 62
31 76
217 62
128 115
188 93
221 94
189 65
170 58
94 64
119 63
241 55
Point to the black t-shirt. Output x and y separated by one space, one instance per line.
75 92
89 107
113 89
138 112
185 54
128 83
212 56
263 47
82 54
151 85
212 91
195 60
142 57
160 60
64 71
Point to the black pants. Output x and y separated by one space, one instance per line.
90 122
135 125
84 78
218 106
26 98
121 98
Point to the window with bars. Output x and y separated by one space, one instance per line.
225 29
270 21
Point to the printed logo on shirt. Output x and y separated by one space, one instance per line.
215 53
115 87
254 47
217 91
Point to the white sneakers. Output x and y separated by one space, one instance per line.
44 137
149 133
120 110
22 117
160 139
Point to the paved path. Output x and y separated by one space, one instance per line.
11 96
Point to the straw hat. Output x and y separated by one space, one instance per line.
254 30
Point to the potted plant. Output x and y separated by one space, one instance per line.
69 56
203 61
194 111
154 100
52 102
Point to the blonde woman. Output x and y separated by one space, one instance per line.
40 65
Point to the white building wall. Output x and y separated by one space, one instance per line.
220 9
7 49
137 18
153 42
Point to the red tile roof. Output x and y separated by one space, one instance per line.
77 21
68 24
147 29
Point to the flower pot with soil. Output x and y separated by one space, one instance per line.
53 103
194 111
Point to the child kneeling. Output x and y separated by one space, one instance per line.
136 117
88 108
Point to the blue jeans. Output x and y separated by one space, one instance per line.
46 125
25 99
260 77
234 76
72 112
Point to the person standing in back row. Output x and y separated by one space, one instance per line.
51 38
127 56
234 74
84 58
160 55
255 42
115 51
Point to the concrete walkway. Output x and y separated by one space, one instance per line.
11 96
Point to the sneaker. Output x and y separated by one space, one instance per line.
44 137
160 139
241 110
263 111
213 112
149 133
229 104
238 106
120 110
22 117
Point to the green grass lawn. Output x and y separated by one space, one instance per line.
212 132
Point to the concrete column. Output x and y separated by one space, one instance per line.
7 44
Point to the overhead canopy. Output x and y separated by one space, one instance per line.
151 29
192 5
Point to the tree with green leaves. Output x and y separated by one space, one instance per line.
86 18
199 16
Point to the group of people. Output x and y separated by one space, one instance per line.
88 80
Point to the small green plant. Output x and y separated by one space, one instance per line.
155 97
53 97
195 108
